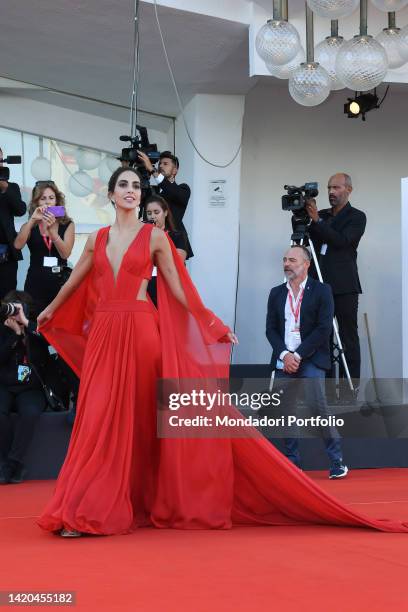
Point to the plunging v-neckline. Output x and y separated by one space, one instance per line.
115 278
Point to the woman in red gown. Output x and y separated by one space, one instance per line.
118 475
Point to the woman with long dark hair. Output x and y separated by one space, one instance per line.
118 475
50 240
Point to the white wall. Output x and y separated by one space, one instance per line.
68 125
215 122
288 144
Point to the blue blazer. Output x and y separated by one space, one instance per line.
316 323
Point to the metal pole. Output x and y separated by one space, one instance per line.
391 21
309 35
277 11
284 10
363 17
334 24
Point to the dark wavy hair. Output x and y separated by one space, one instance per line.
169 222
115 176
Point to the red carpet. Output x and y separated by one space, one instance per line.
249 568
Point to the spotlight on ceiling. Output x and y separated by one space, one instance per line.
362 104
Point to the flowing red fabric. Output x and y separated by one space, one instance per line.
118 475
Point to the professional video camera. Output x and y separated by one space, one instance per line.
5 172
295 201
138 143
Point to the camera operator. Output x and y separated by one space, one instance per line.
177 196
11 205
23 353
336 233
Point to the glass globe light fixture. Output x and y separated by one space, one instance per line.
80 184
277 42
390 6
390 39
285 70
403 43
361 63
333 9
326 53
309 84
41 168
88 160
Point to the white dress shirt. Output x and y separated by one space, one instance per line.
292 338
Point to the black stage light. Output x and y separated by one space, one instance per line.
360 105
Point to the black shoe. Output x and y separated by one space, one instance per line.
5 473
338 470
17 472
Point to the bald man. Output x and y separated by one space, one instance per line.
336 233
298 326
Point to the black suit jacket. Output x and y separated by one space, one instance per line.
316 322
11 205
342 236
177 197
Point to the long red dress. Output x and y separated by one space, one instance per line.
118 475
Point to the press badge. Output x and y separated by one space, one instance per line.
50 262
154 271
323 249
23 373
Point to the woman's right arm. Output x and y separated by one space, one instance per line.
24 234
78 274
25 231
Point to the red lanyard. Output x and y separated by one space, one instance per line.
299 303
48 243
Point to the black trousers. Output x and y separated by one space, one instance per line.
8 277
28 404
345 310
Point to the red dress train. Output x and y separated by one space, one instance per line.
118 475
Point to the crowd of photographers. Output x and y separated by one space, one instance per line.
298 329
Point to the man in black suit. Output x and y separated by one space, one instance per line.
177 196
11 205
298 326
336 233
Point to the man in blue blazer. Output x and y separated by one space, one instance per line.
298 326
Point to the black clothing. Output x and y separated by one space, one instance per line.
345 308
8 277
11 205
342 234
26 397
179 241
177 197
42 283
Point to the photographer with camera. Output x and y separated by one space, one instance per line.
11 205
177 196
336 233
23 353
49 234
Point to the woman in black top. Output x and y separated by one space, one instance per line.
50 240
159 213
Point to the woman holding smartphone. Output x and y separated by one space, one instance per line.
49 234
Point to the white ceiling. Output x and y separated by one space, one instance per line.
84 47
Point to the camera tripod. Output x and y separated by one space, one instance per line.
300 234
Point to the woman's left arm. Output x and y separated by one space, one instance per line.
161 252
63 245
162 255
